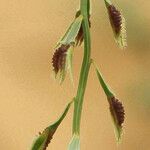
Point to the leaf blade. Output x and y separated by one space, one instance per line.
41 143
70 36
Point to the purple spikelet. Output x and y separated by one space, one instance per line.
59 58
115 18
117 111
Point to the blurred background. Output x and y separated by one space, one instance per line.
30 98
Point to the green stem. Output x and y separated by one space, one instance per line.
84 5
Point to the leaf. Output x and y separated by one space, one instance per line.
41 143
117 22
116 108
105 87
74 143
69 63
62 57
70 35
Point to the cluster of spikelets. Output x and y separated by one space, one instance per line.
118 115
62 61
60 56
117 106
117 22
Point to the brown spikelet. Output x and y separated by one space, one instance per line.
117 109
59 58
50 134
80 36
115 18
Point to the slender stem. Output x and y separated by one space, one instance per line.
84 5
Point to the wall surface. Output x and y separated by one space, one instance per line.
30 98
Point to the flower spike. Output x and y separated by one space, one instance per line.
59 58
44 138
117 22
62 58
115 106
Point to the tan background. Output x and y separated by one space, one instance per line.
30 98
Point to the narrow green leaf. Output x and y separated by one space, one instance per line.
61 39
108 2
116 108
69 63
62 73
105 87
62 58
67 66
41 143
74 143
69 37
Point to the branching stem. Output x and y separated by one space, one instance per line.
84 6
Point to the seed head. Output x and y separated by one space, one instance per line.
117 111
117 22
59 58
115 18
49 134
